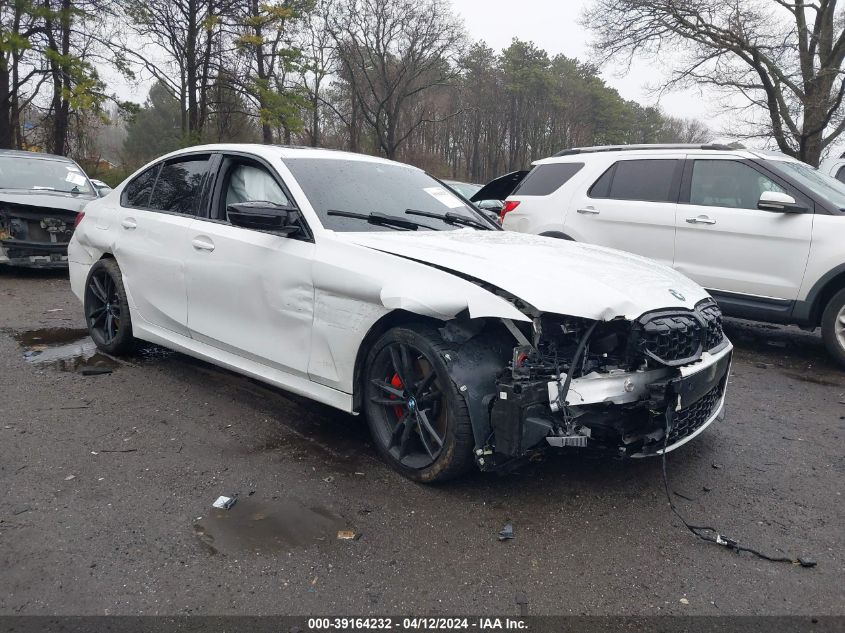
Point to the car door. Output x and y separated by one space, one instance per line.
726 243
631 206
152 240
250 292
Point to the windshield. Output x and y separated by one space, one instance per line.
368 187
820 183
42 174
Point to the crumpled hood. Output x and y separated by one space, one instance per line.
552 275
48 199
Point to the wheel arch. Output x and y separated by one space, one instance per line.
392 319
810 313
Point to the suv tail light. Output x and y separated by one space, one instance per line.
509 206
78 218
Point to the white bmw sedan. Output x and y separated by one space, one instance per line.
367 285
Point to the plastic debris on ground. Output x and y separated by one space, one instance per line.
224 503
506 533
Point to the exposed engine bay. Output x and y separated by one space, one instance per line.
609 385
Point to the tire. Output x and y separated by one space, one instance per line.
407 425
107 310
833 327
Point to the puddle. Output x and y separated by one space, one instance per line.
64 349
72 350
266 526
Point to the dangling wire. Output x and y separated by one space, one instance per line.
703 531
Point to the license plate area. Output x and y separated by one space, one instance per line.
692 387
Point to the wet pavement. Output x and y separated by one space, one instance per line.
110 467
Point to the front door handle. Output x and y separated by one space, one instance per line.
202 244
701 219
129 224
588 211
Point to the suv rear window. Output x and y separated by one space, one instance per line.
641 180
546 179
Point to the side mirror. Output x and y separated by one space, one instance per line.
264 216
779 202
490 205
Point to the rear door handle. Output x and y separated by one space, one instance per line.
701 219
202 244
588 211
129 223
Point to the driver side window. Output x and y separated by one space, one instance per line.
251 183
728 183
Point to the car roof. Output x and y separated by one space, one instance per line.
282 151
581 153
19 153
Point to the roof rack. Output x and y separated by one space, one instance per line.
634 148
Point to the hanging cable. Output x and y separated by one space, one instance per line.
710 534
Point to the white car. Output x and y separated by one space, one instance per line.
762 232
364 284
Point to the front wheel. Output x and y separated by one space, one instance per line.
107 310
417 417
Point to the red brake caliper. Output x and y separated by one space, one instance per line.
398 411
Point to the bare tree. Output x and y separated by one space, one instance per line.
185 31
783 57
393 52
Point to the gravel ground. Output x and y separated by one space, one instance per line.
109 478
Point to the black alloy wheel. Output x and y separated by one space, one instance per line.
106 308
417 418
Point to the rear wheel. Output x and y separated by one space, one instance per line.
833 327
107 310
417 417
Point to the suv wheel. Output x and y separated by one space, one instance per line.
833 327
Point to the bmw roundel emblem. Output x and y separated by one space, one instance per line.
677 294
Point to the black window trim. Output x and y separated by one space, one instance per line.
532 172
757 166
674 190
840 172
217 180
203 198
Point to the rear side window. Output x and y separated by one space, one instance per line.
840 175
137 192
641 180
546 179
179 185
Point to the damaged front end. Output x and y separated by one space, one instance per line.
35 236
631 388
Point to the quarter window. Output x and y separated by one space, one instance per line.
137 192
840 175
179 185
728 183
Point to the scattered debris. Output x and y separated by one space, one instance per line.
684 601
328 479
806 562
522 601
55 310
97 370
763 365
124 450
347 535
69 477
706 488
21 510
506 533
716 466
224 503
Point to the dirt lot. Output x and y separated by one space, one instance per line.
108 481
